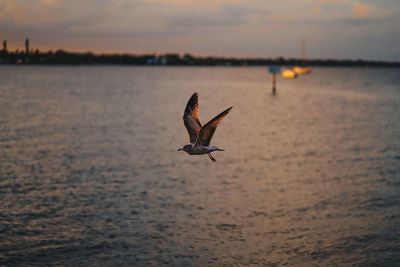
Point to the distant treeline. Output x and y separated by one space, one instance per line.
61 57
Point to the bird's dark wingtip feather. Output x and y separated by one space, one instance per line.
193 99
227 110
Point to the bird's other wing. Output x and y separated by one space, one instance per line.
208 130
191 117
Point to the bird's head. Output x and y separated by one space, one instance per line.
186 148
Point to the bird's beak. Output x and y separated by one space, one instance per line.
179 149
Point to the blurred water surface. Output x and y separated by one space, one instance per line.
90 174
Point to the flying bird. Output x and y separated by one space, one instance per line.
200 136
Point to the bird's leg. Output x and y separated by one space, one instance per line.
211 157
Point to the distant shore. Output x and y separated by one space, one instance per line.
62 57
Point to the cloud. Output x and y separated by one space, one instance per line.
225 16
50 2
362 10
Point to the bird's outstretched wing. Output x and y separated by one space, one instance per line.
191 118
208 130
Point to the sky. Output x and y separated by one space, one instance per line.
366 29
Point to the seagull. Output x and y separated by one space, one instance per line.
200 136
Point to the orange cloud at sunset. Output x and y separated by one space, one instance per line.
361 10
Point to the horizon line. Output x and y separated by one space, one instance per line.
182 54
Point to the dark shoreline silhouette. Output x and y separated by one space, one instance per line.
62 57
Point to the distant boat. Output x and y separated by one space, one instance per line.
289 74
301 70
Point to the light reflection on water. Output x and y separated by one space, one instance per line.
90 174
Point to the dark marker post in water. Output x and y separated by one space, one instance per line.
274 70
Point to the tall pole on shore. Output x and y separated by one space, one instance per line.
27 46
